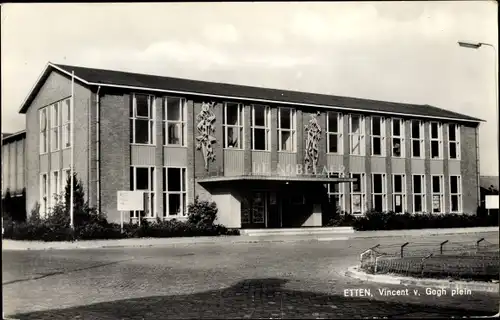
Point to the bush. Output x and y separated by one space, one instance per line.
341 220
202 213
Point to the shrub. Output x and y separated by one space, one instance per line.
202 213
341 220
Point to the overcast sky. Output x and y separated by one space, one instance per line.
395 51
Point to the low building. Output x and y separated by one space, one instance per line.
267 157
13 166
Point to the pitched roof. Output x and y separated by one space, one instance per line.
113 78
487 181
9 137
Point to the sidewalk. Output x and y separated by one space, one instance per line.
158 242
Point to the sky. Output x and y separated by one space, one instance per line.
393 51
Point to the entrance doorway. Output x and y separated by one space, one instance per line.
256 213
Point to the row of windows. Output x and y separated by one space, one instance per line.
51 187
379 200
59 131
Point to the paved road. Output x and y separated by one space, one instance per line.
266 280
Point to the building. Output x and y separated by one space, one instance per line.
13 166
488 186
268 158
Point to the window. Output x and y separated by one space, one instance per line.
142 119
65 176
261 127
44 190
358 193
174 192
418 193
398 140
336 192
42 114
436 140
456 193
399 193
378 136
454 140
356 135
55 122
334 132
437 193
174 121
143 179
233 125
379 192
66 123
417 139
55 184
286 129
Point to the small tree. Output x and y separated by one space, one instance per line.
202 213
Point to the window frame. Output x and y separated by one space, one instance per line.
65 174
439 140
339 194
362 193
420 139
239 126
55 126
66 124
339 133
421 194
43 130
44 196
151 118
165 121
183 192
266 127
292 130
384 190
401 193
151 193
456 141
361 135
55 182
401 138
459 194
440 194
382 136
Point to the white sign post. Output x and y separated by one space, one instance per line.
491 202
129 201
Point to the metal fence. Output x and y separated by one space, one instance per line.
457 260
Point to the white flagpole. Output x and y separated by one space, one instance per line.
72 127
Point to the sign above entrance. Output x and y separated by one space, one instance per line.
130 200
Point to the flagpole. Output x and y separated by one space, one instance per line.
72 127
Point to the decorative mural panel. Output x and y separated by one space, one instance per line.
206 131
313 131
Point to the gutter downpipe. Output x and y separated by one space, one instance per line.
98 145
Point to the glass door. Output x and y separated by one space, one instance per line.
259 206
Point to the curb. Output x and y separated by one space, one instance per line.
353 272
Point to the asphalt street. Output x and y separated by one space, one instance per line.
254 280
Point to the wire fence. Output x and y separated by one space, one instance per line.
478 261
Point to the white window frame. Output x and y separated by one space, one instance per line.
421 139
456 142
239 126
381 136
438 140
66 110
383 193
340 192
183 192
292 130
420 194
401 138
150 193
266 127
178 122
457 194
43 114
55 184
439 193
44 194
338 134
151 118
362 193
401 193
361 135
55 126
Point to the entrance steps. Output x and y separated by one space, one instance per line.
296 231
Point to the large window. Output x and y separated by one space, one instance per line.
336 192
143 179
55 185
286 129
233 125
418 193
398 138
436 140
356 135
55 123
358 193
378 136
334 132
66 123
174 192
456 194
174 121
417 139
261 128
379 192
399 193
454 140
44 194
437 193
142 119
44 122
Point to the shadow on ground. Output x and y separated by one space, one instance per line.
256 298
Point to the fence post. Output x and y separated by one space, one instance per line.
422 263
441 246
402 248
477 244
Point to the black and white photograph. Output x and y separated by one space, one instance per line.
250 160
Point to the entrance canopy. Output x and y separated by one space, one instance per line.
300 178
